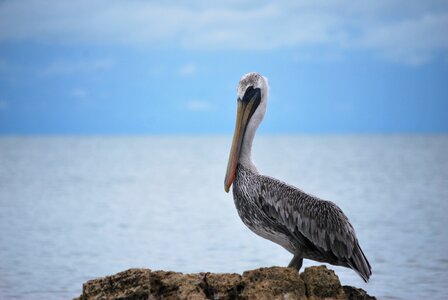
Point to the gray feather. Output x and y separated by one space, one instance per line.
303 224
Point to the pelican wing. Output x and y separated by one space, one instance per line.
319 222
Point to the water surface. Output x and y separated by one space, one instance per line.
75 208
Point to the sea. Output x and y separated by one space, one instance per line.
77 208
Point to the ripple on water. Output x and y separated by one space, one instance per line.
72 209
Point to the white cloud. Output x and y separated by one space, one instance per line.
187 69
317 56
199 106
410 32
66 67
418 39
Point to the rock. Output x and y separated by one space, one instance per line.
265 284
273 283
222 286
352 293
172 285
130 284
322 283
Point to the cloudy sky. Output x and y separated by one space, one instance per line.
141 67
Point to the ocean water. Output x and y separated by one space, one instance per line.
75 208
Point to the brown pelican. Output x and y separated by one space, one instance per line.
306 226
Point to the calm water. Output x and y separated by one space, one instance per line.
72 209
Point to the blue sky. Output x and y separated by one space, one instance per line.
141 67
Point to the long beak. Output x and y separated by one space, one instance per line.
246 108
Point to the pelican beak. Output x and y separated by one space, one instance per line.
246 108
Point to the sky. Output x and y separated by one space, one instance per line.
143 67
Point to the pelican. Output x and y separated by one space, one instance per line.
306 226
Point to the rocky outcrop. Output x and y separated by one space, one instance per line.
264 284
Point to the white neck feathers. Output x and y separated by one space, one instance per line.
246 147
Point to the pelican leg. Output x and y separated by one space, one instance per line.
296 262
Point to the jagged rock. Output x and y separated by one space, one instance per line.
273 283
322 283
222 286
265 284
352 293
130 284
172 285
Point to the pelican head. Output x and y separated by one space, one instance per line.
252 99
